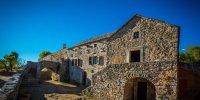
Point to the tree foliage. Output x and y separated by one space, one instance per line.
9 62
44 54
191 56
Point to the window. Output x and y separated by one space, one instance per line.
101 60
75 62
95 59
88 51
95 45
135 56
80 51
90 60
136 35
79 62
75 52
72 62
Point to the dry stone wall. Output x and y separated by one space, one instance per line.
83 52
110 83
188 81
157 44
57 56
58 63
10 89
158 41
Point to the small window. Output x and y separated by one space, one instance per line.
75 62
90 60
136 35
135 56
79 62
88 51
80 51
95 45
95 59
101 60
72 55
75 51
72 62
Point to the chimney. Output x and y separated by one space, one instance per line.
64 46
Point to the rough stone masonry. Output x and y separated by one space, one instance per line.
138 61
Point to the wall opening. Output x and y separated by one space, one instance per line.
139 89
142 91
136 35
84 78
135 56
45 74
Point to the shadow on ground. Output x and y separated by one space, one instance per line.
51 90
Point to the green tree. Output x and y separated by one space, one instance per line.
4 65
44 54
191 56
10 61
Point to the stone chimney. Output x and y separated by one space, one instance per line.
64 46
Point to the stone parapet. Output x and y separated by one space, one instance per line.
110 83
9 91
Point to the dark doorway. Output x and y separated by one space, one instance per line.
142 91
84 78
135 56
139 89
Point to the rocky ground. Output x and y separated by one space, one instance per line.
53 90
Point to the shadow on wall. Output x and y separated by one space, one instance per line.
45 70
58 71
188 82
77 74
47 74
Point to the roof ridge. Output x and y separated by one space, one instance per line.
97 38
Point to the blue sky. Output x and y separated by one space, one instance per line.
31 26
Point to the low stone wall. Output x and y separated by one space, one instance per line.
188 82
9 91
110 83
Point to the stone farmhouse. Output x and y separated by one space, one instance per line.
139 61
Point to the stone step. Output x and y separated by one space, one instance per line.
24 84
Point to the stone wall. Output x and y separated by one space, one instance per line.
10 89
60 71
188 82
57 56
158 41
110 83
83 52
60 58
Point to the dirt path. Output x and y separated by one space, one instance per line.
53 90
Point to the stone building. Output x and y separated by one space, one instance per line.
87 58
137 62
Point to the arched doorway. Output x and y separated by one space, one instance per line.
139 89
47 70
45 74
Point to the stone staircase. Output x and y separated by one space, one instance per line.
30 82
